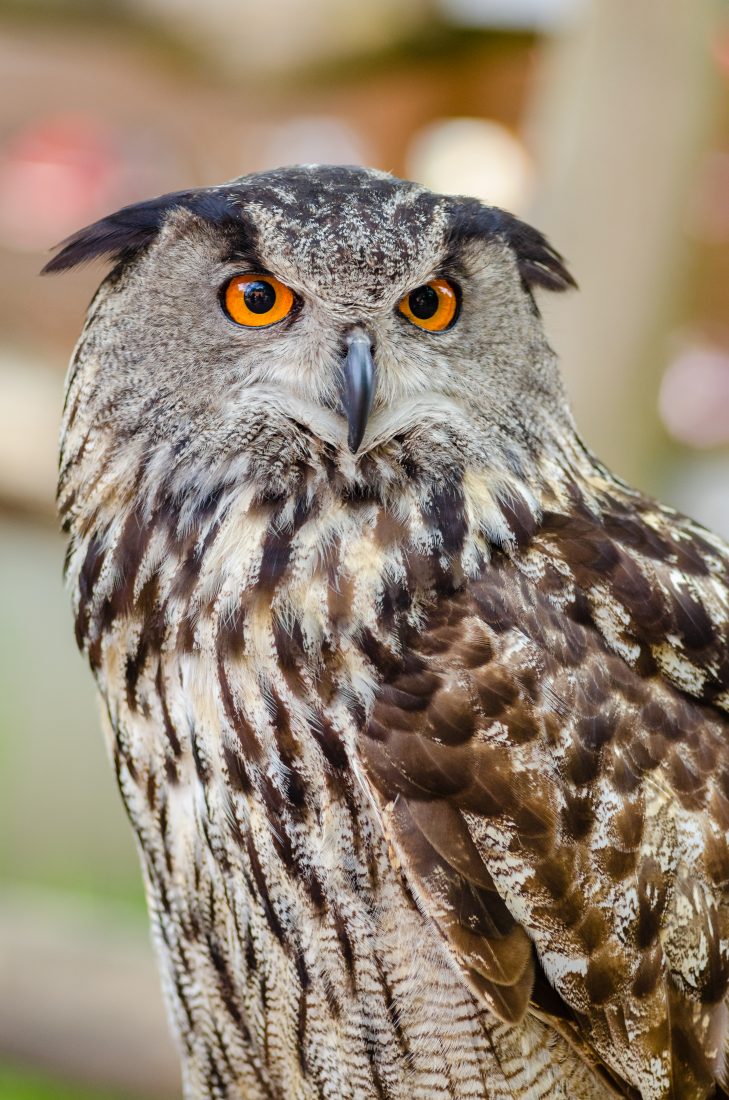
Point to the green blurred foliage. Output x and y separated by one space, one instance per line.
19 1083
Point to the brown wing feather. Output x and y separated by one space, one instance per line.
552 765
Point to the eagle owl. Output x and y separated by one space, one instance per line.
419 715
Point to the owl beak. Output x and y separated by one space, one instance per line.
358 387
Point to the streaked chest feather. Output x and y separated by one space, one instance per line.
237 668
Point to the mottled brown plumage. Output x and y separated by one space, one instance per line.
425 746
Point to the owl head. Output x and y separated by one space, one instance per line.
315 311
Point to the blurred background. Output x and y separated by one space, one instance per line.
605 122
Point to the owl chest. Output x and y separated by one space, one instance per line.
295 960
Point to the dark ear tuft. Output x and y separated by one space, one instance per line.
121 235
539 264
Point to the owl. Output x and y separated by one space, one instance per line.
420 716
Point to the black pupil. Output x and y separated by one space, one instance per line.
260 297
423 302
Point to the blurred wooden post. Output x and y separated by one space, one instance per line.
625 106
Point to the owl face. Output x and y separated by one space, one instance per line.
314 307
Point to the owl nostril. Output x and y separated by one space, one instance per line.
357 331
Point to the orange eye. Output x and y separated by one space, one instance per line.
257 300
433 306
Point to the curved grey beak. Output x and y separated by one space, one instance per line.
358 387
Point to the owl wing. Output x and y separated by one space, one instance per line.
549 757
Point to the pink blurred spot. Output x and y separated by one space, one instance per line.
720 49
708 213
694 396
55 175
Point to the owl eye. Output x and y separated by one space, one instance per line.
257 300
433 306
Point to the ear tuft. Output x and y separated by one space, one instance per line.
122 235
539 264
